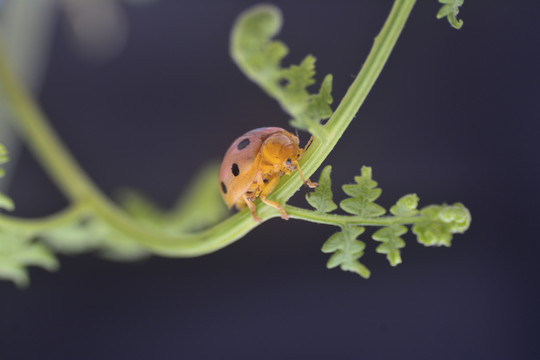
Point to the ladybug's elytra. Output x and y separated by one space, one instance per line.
254 164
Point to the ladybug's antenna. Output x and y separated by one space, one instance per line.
308 143
307 182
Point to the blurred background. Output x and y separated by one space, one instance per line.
144 93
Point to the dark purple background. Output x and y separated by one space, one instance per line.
451 118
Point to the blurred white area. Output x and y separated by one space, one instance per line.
26 27
25 33
96 29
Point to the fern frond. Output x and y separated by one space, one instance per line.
441 222
433 225
363 194
17 252
347 250
321 198
259 57
406 206
390 236
450 10
5 202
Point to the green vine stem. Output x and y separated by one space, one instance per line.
342 220
74 183
35 226
353 99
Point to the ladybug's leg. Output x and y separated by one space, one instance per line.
269 186
308 182
252 208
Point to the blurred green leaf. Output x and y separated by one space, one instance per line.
5 202
17 252
319 104
3 156
89 235
259 57
298 78
199 206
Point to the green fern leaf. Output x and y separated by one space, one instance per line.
347 250
317 109
441 222
450 10
406 206
251 45
5 202
321 198
298 78
319 104
3 157
73 238
92 235
363 194
118 247
259 57
390 236
17 252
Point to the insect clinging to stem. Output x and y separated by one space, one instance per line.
253 165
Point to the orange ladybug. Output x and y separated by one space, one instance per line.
254 164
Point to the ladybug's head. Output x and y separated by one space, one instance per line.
281 150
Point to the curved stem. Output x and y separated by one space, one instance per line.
353 99
74 183
34 226
341 220
43 141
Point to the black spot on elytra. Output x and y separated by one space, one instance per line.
288 162
235 170
243 144
223 188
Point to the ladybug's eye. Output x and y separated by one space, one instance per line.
288 162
